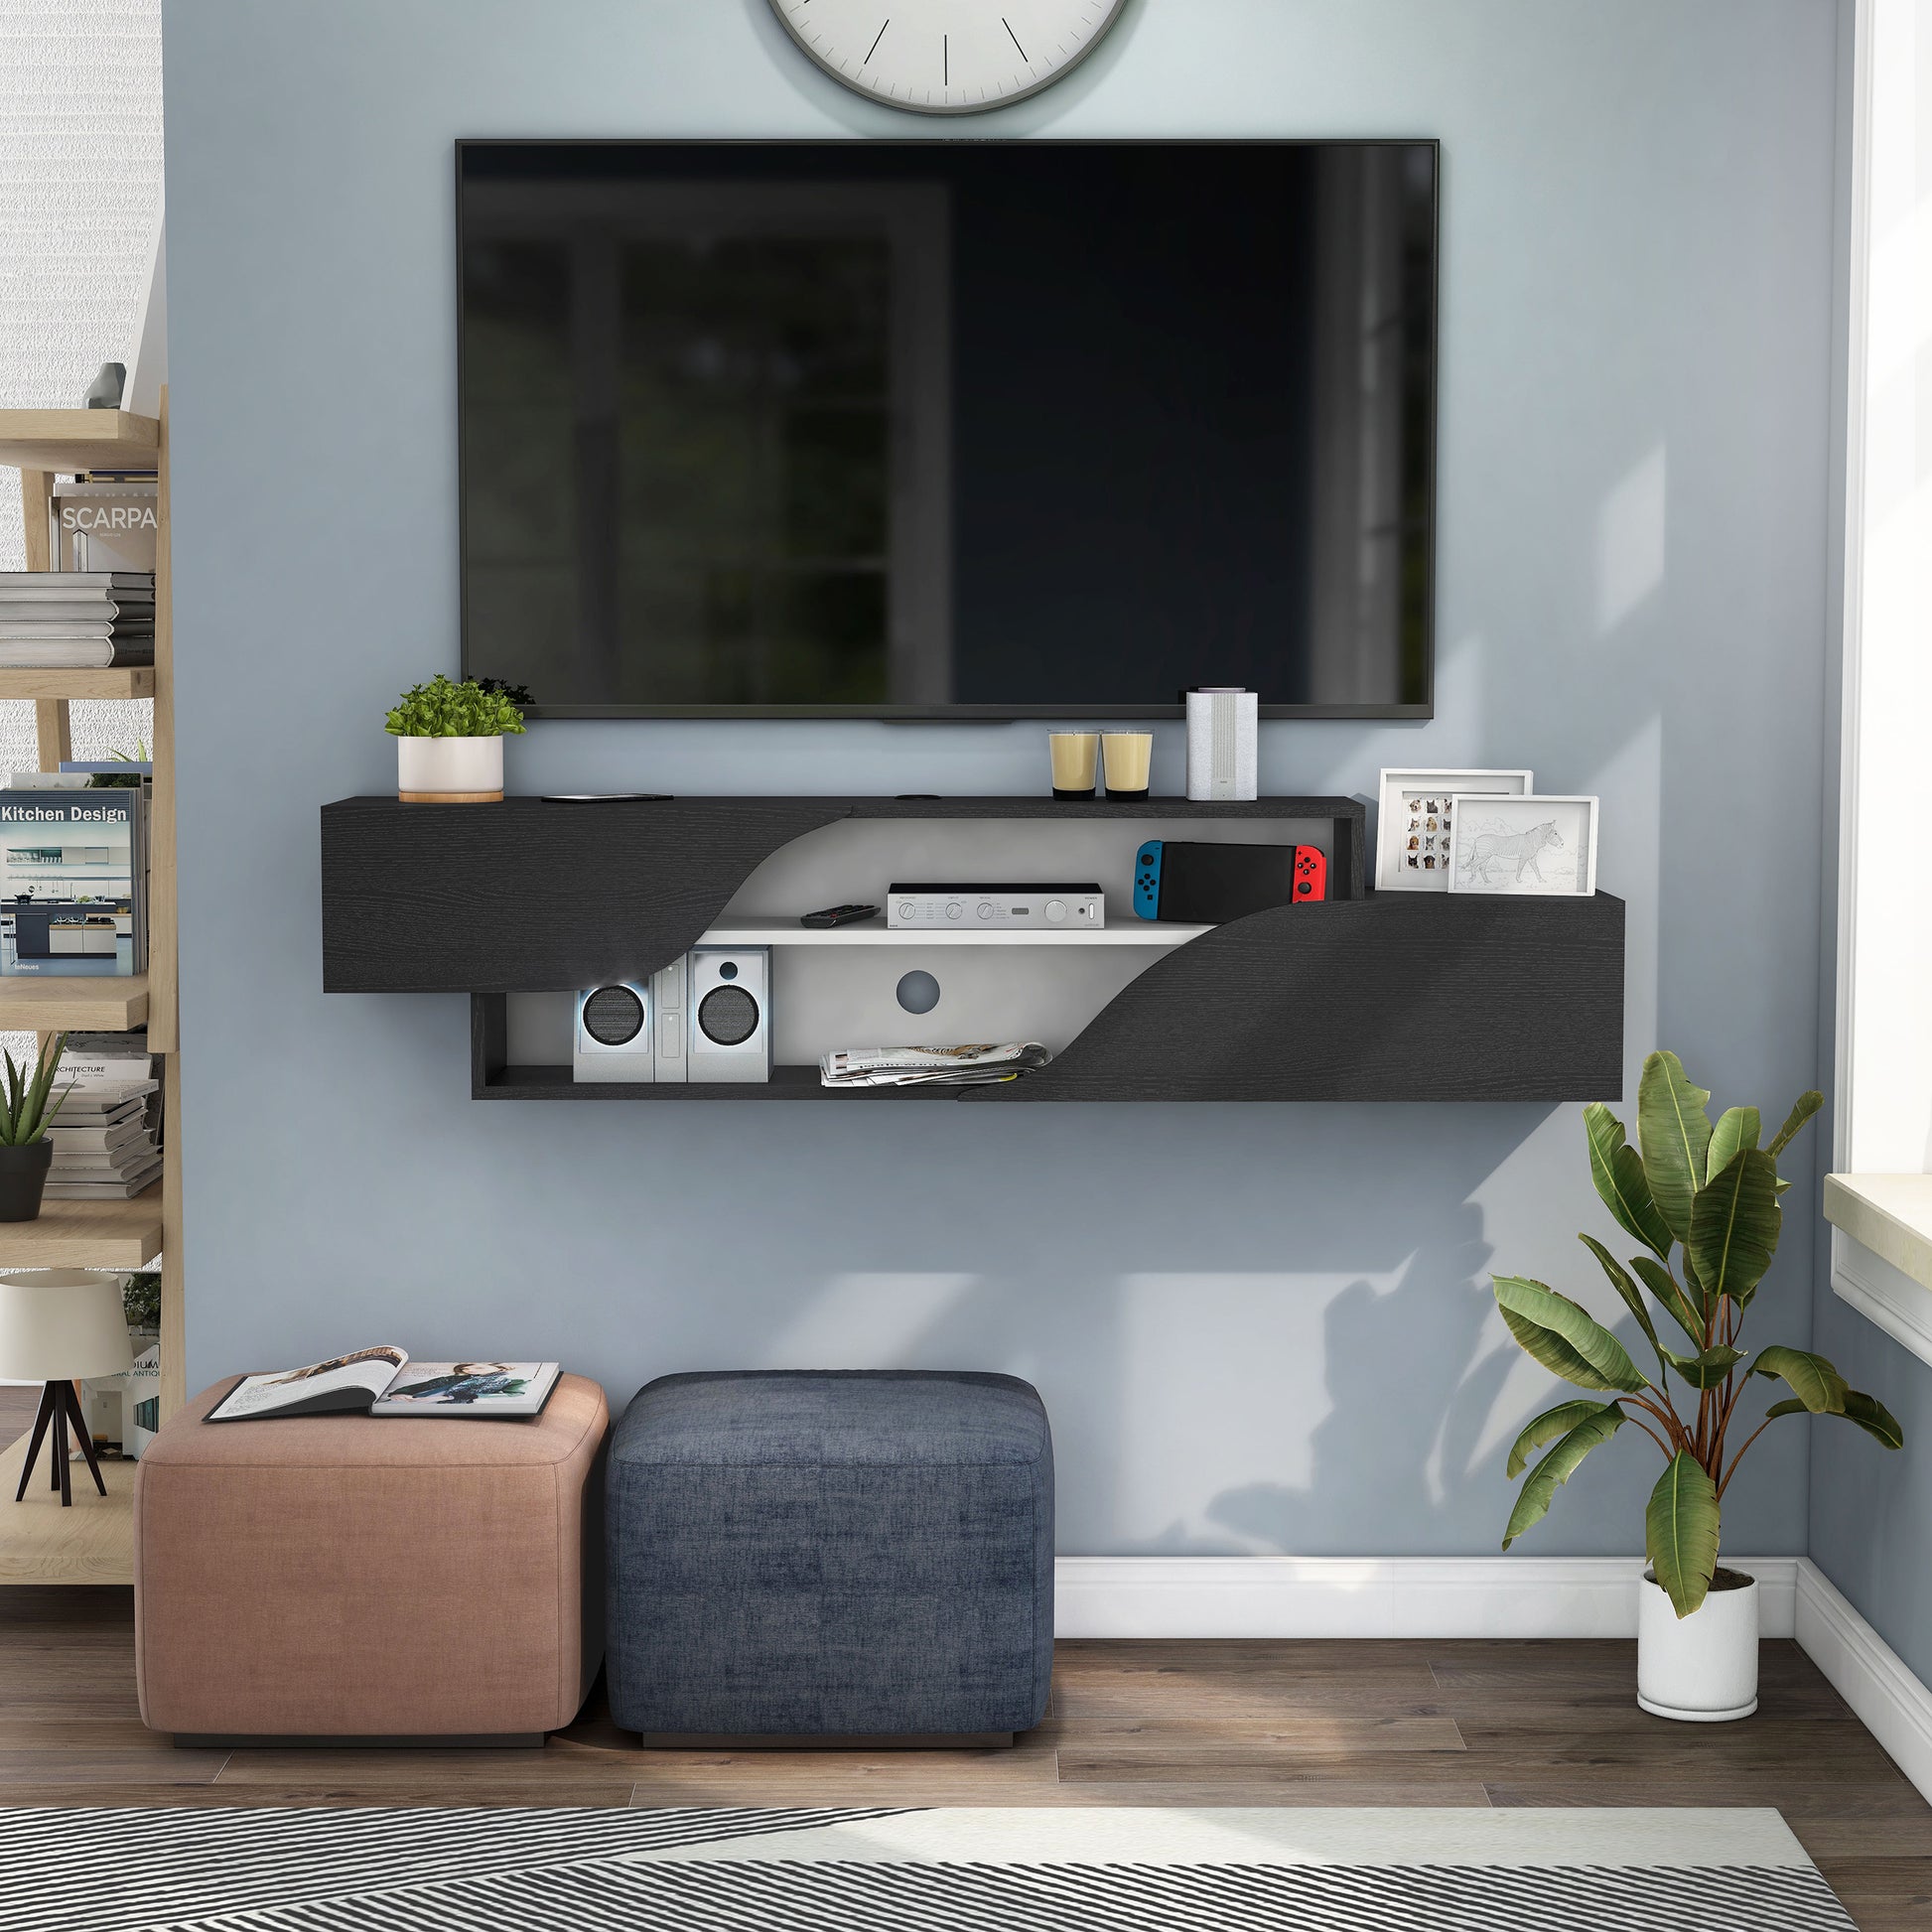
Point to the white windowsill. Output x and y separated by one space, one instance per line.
1882 1251
1890 1213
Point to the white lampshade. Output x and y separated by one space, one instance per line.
60 1324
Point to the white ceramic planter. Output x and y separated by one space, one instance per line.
1702 1669
453 770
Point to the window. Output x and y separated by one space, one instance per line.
1881 1199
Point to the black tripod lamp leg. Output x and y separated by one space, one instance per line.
60 1453
85 1435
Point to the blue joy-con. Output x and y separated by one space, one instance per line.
1146 880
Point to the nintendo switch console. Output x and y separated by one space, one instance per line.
1208 884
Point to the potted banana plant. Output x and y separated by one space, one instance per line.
449 739
1710 1194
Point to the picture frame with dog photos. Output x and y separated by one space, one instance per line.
1529 847
1415 823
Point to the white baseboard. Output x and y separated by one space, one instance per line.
1889 1700
1373 1596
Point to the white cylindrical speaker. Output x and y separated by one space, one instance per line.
1222 732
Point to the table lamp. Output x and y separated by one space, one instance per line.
58 1324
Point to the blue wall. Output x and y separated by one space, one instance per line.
1262 1328
1870 1511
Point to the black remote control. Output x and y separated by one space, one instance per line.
840 915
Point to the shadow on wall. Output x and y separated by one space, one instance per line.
1361 1306
1423 1440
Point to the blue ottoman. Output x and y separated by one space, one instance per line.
811 1557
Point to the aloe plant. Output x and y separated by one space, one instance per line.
1712 1192
25 1114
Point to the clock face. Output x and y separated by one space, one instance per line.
947 56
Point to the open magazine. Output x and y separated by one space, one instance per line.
383 1381
929 1066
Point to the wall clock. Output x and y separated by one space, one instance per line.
947 56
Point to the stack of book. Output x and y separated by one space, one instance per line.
75 619
107 1059
104 1146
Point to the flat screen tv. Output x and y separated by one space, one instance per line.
948 429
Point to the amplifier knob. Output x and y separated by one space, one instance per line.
905 910
1056 909
986 912
953 911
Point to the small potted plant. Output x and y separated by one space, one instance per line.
450 740
1714 1192
26 1152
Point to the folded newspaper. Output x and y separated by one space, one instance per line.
929 1066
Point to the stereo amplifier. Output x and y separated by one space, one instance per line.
969 907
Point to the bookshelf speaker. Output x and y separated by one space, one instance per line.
614 1037
729 1014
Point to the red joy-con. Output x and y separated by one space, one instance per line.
1310 874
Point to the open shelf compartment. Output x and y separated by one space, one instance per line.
531 897
1394 999
89 1542
110 1234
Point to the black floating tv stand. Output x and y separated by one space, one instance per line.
1393 996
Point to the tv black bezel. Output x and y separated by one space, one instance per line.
980 713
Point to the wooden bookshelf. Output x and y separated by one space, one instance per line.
93 1541
58 1006
89 1542
111 1234
130 681
65 442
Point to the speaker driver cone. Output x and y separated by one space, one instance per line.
728 1016
614 1016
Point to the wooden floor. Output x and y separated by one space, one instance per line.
1131 1724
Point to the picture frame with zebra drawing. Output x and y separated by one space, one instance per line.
1542 847
1415 823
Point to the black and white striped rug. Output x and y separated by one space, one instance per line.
1094 1871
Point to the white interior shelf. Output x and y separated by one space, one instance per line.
746 930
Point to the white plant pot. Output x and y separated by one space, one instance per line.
1700 1669
452 771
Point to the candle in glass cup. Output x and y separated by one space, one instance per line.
1129 756
1075 757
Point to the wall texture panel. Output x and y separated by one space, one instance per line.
79 184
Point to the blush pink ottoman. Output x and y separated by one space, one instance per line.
337 1576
